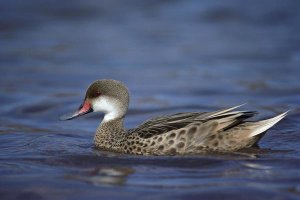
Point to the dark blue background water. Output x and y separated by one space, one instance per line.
174 56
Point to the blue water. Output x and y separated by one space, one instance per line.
174 56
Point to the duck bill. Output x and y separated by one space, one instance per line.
84 108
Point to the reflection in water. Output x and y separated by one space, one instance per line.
174 56
257 166
104 176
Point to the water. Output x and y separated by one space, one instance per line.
174 56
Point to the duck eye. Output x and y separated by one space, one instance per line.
97 94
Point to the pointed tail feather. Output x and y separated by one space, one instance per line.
264 125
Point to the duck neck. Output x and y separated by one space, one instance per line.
110 134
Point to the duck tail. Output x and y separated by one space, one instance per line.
262 126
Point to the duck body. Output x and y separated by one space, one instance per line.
177 134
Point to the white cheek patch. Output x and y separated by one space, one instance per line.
107 105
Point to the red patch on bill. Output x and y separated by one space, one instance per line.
86 107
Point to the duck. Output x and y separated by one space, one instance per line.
185 133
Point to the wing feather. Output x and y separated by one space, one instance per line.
164 124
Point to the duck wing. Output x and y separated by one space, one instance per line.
167 123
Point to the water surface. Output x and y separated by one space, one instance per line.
174 56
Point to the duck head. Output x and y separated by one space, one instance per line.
108 96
